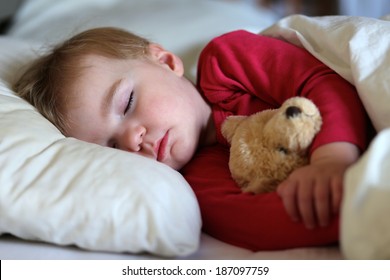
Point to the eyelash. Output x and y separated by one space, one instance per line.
129 103
128 107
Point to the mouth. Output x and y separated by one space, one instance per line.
160 150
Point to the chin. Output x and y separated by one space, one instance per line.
171 164
176 165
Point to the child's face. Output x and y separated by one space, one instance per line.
144 106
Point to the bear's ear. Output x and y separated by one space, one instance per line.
230 125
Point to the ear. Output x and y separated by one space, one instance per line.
230 125
166 58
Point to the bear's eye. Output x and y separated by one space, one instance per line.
282 150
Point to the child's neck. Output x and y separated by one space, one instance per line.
208 136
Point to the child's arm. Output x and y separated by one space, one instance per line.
312 194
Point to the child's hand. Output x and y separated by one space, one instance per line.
312 194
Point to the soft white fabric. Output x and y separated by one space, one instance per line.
359 50
210 249
64 191
355 47
365 216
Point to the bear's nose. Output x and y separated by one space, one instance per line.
293 111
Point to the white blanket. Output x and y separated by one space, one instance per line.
359 50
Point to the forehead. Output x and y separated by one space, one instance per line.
99 62
96 72
84 92
94 64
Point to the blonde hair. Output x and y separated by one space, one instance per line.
44 82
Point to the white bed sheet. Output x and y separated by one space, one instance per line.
12 248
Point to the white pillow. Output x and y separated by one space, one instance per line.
65 191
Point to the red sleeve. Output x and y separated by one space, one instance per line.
241 73
256 222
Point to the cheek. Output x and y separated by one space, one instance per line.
182 151
161 108
153 115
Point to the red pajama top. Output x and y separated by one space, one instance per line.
241 73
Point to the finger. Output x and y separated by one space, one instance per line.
337 194
322 201
287 191
306 205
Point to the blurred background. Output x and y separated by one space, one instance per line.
370 8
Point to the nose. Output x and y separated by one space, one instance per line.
131 139
293 111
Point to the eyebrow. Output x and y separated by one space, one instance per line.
109 97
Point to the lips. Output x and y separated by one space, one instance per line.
161 147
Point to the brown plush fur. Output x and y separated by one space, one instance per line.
267 146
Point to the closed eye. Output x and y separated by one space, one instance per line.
129 103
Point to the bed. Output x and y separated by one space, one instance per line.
58 200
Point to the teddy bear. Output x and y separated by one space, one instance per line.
267 146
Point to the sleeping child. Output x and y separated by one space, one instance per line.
113 88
